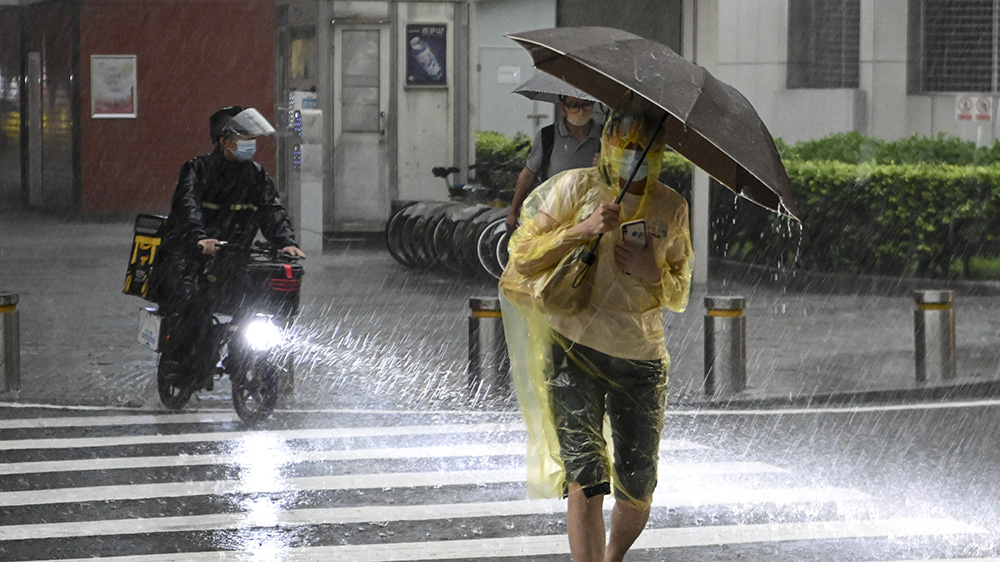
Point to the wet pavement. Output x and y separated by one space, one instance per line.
381 454
374 334
867 484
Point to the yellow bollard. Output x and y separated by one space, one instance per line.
10 358
725 346
934 335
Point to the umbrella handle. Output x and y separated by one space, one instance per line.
590 255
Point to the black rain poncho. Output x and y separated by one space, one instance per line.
215 198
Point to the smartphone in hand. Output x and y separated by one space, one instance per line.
634 232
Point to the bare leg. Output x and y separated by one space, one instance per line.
585 522
627 522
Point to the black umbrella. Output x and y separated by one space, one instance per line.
545 87
707 121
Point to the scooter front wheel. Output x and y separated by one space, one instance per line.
174 393
255 390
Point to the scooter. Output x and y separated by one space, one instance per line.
255 298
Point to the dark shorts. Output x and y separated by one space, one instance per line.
587 384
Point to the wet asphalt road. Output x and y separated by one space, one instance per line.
374 333
869 484
380 454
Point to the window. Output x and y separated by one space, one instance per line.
823 39
959 45
302 56
360 81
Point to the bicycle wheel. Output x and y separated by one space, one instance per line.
445 230
468 242
486 249
394 236
423 256
503 255
413 215
434 258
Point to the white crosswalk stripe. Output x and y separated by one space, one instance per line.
464 450
256 483
290 518
556 544
326 433
331 482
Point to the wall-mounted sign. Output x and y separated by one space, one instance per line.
426 54
984 108
113 86
963 108
973 108
509 75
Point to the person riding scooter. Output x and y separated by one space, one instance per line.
220 196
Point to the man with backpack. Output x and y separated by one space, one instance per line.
571 142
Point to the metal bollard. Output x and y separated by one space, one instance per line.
725 346
489 364
10 340
934 335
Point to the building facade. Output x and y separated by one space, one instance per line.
368 95
885 68
103 100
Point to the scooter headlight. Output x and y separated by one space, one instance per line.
262 334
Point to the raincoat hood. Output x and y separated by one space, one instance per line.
627 132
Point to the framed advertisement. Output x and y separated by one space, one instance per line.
113 87
426 54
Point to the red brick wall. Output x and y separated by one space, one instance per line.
193 57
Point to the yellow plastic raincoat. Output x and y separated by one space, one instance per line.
624 318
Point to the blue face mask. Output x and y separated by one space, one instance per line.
628 161
245 149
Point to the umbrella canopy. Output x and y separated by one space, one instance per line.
707 121
545 87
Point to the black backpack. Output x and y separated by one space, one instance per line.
548 140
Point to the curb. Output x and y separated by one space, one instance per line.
801 281
958 391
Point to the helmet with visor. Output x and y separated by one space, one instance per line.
239 127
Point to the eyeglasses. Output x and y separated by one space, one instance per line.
578 104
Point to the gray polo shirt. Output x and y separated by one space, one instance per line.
567 152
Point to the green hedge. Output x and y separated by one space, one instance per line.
910 207
855 148
889 219
500 158
916 206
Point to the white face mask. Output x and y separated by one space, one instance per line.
628 161
578 120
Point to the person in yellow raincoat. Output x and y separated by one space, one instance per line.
592 384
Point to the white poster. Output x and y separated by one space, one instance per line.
112 86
